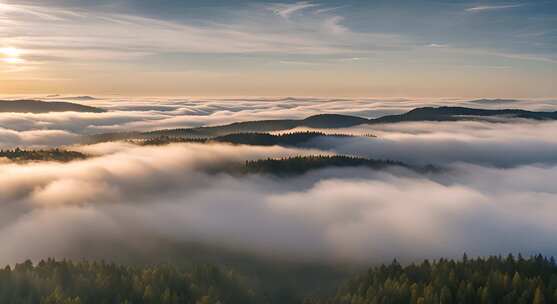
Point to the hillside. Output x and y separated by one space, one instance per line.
462 113
330 121
38 106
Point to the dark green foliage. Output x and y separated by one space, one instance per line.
302 164
475 281
18 154
65 282
256 139
265 139
479 281
165 140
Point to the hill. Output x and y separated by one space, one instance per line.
332 121
324 121
462 113
38 106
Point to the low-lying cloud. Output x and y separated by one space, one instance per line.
493 144
496 194
129 197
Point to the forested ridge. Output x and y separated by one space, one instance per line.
249 138
301 164
18 154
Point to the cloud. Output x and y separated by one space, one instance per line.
285 10
35 138
144 114
72 35
490 144
137 201
483 8
436 45
132 199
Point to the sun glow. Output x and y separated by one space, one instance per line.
11 55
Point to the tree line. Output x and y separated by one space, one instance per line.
18 154
67 282
490 280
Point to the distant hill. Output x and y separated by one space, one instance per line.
461 113
323 121
332 121
38 106
316 121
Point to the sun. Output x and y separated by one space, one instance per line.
11 55
10 52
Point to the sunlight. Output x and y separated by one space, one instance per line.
10 52
11 55
12 60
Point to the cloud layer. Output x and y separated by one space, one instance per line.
496 194
129 198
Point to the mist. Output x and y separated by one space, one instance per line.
495 192
506 144
131 199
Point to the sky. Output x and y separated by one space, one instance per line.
505 49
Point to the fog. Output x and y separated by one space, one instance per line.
143 114
492 144
495 195
128 198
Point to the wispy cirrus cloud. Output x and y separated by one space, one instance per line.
74 33
483 8
286 10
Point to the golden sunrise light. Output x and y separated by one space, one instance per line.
11 55
278 151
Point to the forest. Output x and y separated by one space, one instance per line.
494 279
482 281
302 164
23 155
249 138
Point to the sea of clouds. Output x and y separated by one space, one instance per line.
496 193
